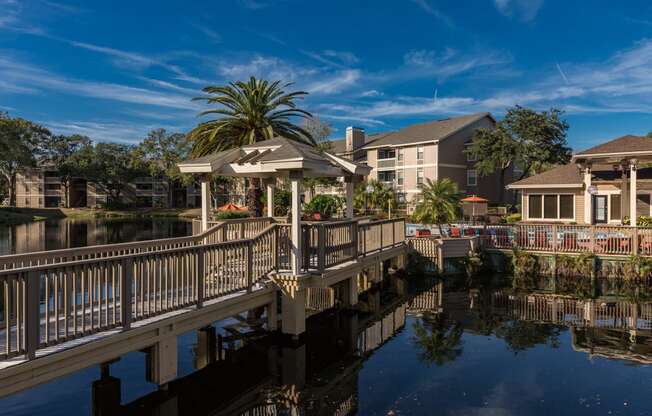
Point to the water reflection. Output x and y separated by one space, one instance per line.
65 233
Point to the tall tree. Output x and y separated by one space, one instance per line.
21 144
381 196
319 131
60 152
440 203
248 112
159 154
524 138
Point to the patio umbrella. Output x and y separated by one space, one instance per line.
473 199
231 207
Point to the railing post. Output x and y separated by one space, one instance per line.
592 236
242 230
126 288
393 233
249 266
201 277
354 240
275 244
33 318
554 238
634 241
321 247
380 246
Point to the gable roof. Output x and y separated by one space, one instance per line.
561 176
624 144
427 132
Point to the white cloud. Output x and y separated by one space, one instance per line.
438 14
338 82
371 93
105 131
209 33
523 10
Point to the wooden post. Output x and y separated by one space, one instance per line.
321 247
632 193
126 288
554 238
295 184
634 241
381 237
270 197
348 184
354 240
592 236
201 277
33 314
205 202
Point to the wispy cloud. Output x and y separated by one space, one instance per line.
105 130
433 11
337 59
523 10
371 93
561 73
335 83
23 75
208 32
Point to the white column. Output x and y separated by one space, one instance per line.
588 198
632 193
270 197
349 185
205 202
295 185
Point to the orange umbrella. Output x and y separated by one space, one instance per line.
474 198
231 207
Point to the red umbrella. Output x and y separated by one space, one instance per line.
231 207
474 198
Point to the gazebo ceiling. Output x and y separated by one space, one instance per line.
274 158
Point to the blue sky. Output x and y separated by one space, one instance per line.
113 70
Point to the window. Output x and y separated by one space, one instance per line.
551 206
419 176
470 157
399 178
642 205
386 175
400 154
566 207
386 153
419 152
471 178
614 207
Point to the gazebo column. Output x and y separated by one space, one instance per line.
349 185
295 185
623 190
632 193
205 201
270 185
588 198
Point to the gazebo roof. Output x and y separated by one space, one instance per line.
271 158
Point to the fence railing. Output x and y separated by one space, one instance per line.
559 238
227 230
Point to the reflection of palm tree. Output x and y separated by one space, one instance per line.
522 335
438 338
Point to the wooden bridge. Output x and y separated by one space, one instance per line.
64 310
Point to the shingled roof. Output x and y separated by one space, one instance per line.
338 146
565 176
425 132
624 144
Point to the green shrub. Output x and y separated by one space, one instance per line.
326 205
232 215
642 221
282 200
512 218
524 263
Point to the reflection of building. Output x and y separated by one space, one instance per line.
41 188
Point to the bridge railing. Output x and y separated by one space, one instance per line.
227 230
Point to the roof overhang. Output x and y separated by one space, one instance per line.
612 157
546 186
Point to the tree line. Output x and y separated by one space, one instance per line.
25 144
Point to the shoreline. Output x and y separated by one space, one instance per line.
15 216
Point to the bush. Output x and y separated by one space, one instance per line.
232 215
642 221
282 200
512 218
325 205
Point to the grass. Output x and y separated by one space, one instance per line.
13 216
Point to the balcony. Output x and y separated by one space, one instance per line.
386 163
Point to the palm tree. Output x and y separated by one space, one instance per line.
440 203
248 112
438 338
382 197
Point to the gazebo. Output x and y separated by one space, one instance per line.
272 159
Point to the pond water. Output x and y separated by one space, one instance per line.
54 234
480 347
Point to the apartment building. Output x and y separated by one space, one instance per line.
404 159
43 188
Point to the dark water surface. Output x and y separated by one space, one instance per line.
54 234
452 348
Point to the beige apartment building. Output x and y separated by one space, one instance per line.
404 159
43 188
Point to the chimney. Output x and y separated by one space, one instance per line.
355 137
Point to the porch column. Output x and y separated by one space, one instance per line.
295 185
270 196
588 198
205 202
632 193
349 185
623 190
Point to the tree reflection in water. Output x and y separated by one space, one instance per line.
522 335
438 338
